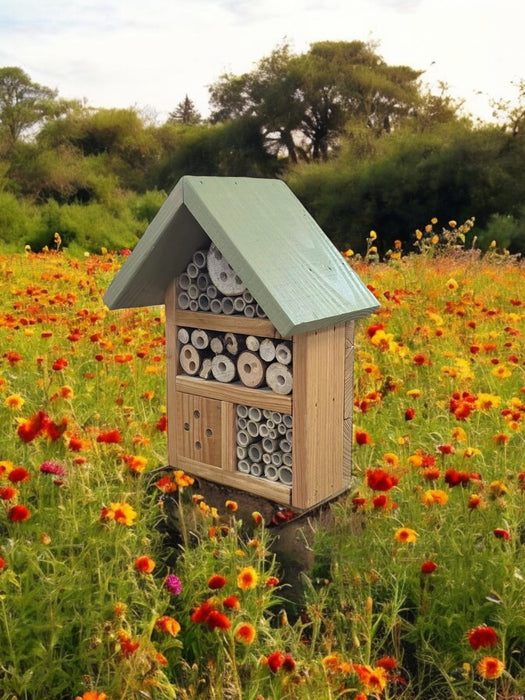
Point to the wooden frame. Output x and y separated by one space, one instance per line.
321 407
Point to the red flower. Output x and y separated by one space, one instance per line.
380 480
18 474
3 564
482 636
275 660
216 582
144 564
18 513
7 493
502 534
453 477
32 427
218 620
201 614
410 413
59 364
389 663
109 436
428 567
362 437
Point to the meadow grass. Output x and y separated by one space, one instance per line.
417 586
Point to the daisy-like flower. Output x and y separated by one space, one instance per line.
405 535
144 564
216 582
380 480
244 633
482 636
18 513
490 668
434 497
247 578
168 624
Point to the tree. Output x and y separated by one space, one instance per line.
303 102
23 105
185 113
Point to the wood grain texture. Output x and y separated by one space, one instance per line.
235 393
172 368
199 429
318 406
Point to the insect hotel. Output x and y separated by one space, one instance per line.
260 311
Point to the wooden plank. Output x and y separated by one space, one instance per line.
227 324
172 368
234 393
348 402
318 405
228 428
278 493
198 430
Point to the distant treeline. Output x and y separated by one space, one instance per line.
361 143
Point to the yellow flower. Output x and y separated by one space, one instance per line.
247 578
348 253
14 401
501 372
373 235
434 496
452 223
419 234
433 220
244 633
435 239
452 284
405 535
486 401
498 488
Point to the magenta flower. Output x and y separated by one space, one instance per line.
173 584
52 468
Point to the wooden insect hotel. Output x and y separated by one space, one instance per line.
260 311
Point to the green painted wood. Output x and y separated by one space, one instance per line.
275 246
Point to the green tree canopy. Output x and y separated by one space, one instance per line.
23 105
185 113
303 102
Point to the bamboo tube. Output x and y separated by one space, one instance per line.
285 446
239 305
242 423
269 445
255 452
287 459
183 300
256 469
285 476
193 291
200 259
277 458
227 306
247 296
184 280
203 280
249 311
263 430
215 306
266 458
271 473
190 360
211 291
241 452
287 420
204 302
243 466
192 270
281 429
252 428
243 439
277 417
259 312
255 413
194 305
242 411
289 435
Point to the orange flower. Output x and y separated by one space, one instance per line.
490 667
373 679
362 437
231 506
168 624
8 493
232 602
247 578
405 535
128 646
92 695
122 513
434 496
244 633
14 402
144 564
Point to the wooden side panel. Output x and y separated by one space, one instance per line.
228 429
348 402
172 363
199 429
318 413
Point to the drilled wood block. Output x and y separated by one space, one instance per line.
199 429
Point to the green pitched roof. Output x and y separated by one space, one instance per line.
278 250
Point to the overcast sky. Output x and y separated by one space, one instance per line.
149 54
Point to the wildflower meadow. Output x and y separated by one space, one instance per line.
417 587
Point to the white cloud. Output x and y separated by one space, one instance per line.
121 53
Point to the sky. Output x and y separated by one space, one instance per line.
148 54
